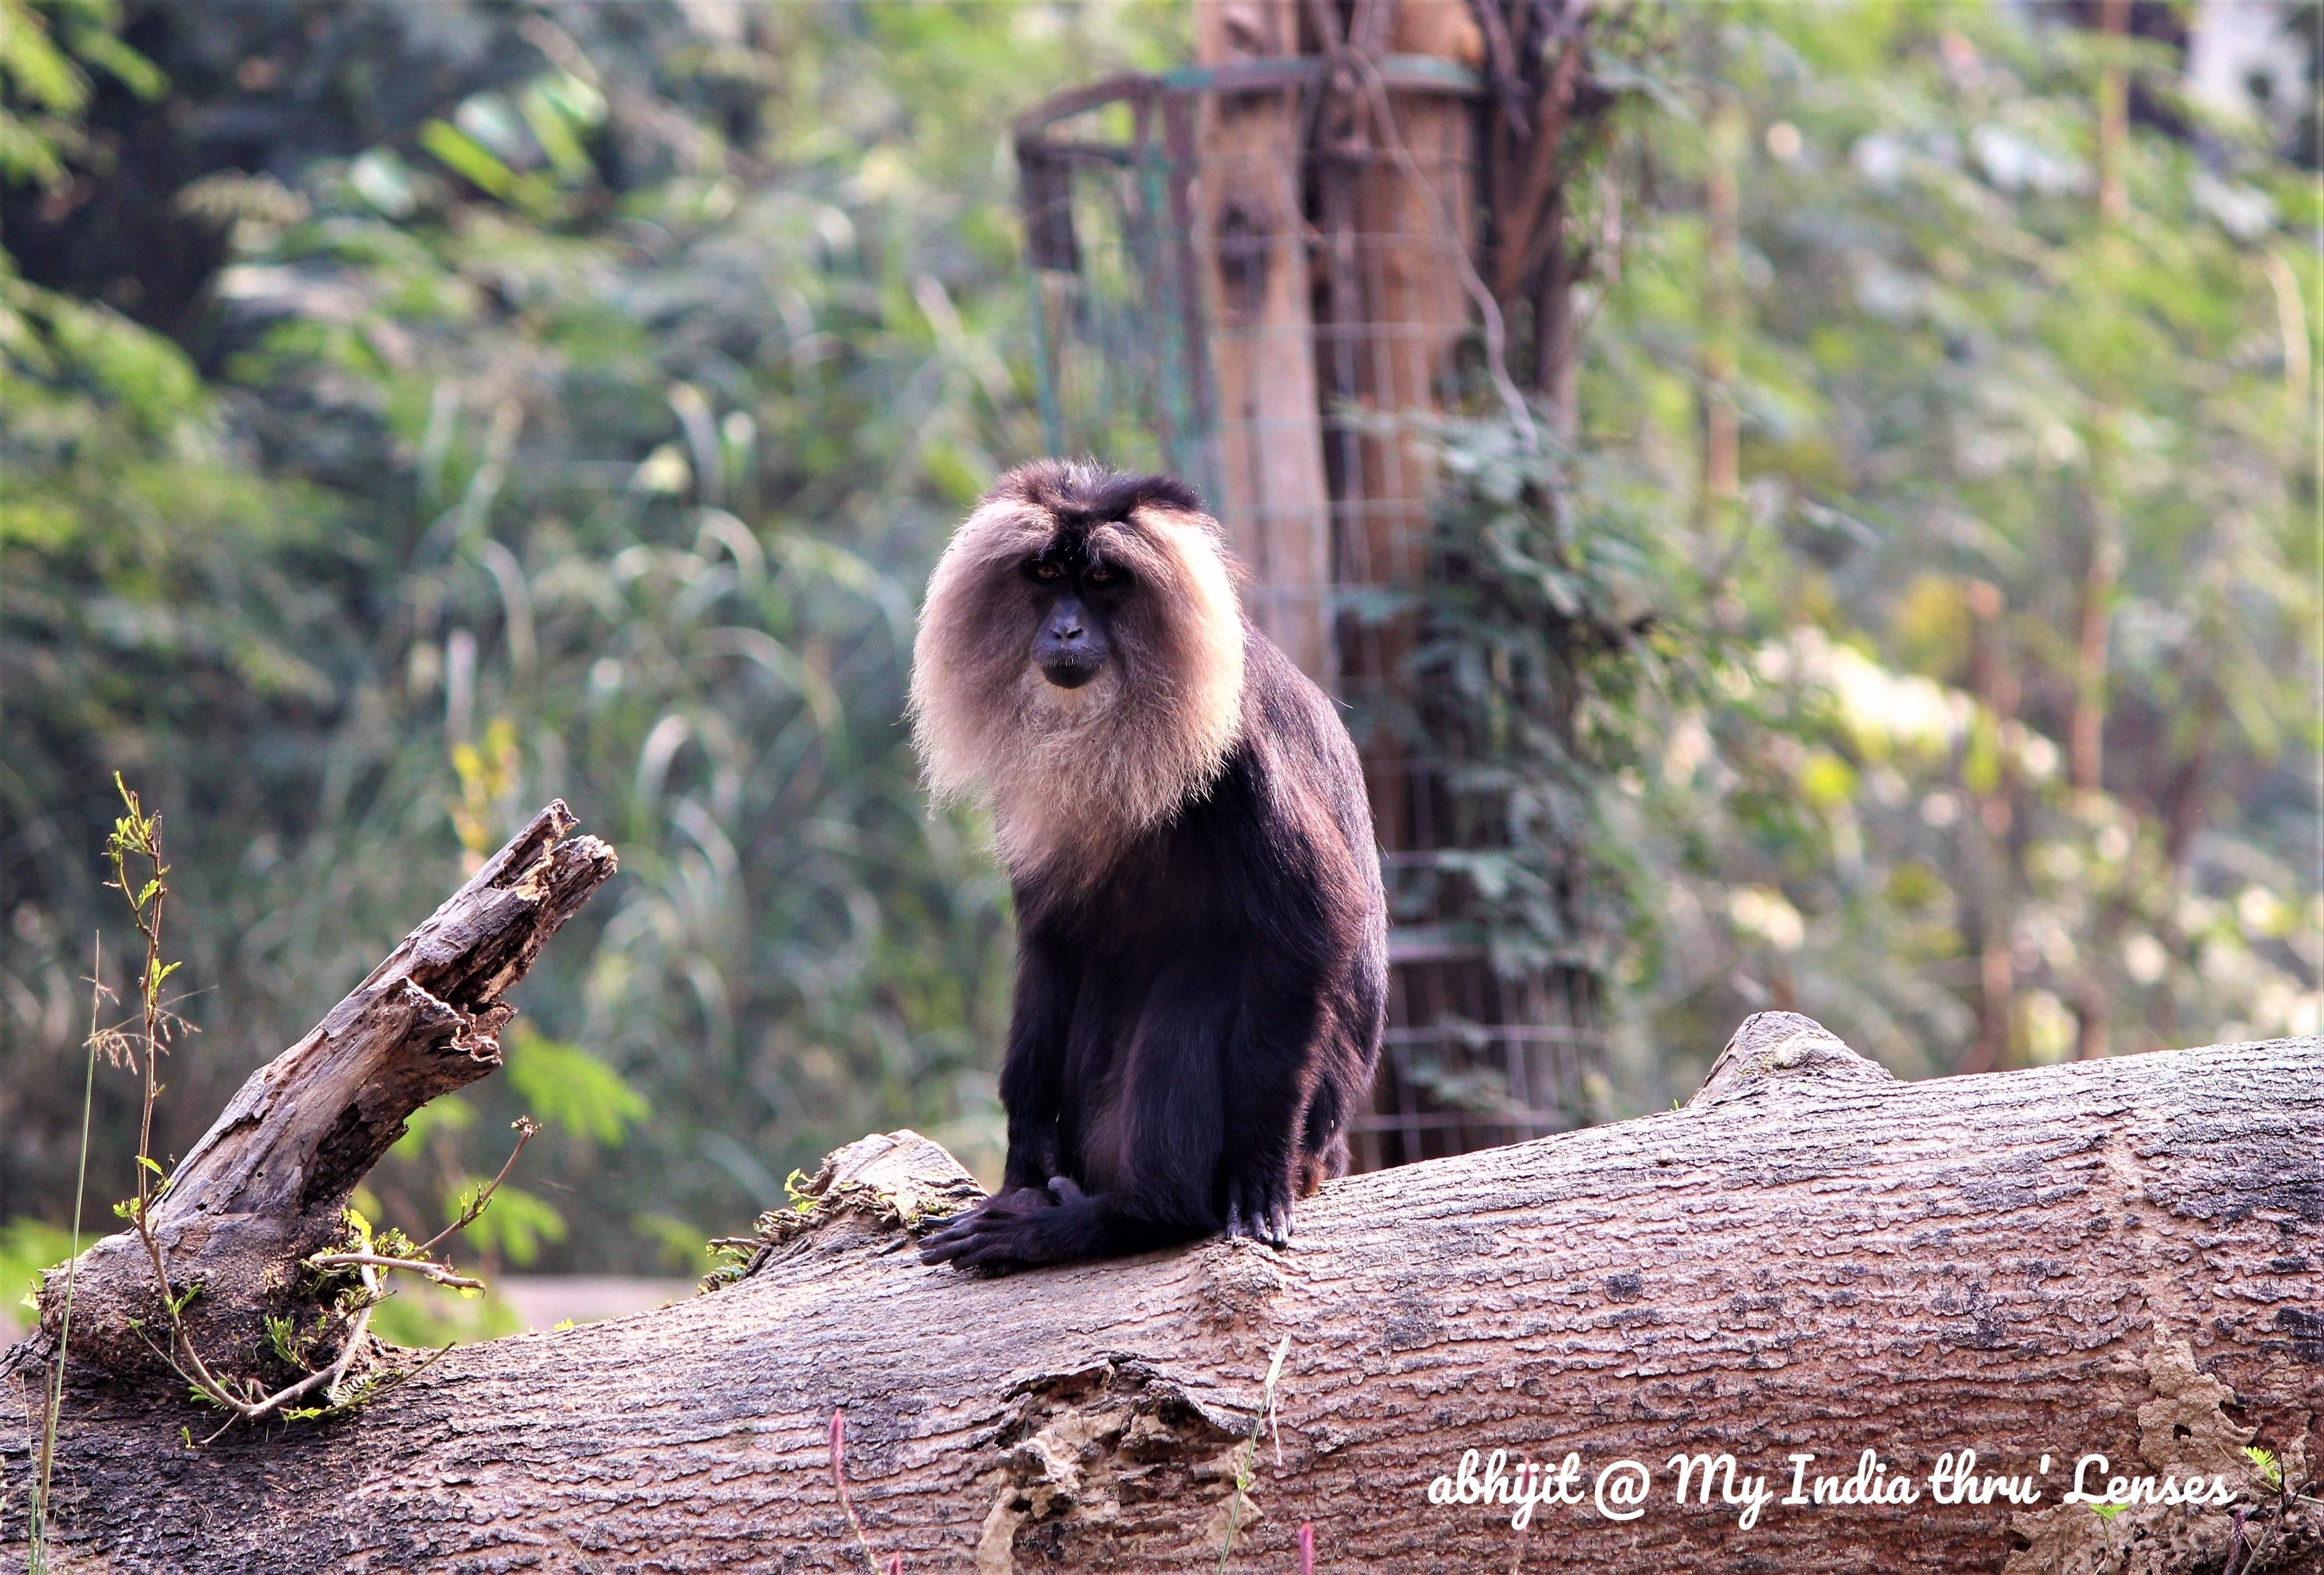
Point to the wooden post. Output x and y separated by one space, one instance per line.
1352 186
1399 192
1410 157
1253 263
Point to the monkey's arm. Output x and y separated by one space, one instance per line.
1166 1103
1032 1071
1267 1071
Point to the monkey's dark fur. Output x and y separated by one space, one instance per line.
1202 936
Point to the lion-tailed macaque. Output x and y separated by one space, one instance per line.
1201 937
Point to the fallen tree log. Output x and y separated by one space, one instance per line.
2116 1258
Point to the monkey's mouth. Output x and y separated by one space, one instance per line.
1067 673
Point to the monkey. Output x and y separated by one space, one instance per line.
1202 931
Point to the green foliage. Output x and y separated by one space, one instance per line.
565 1086
443 1113
578 416
683 1249
428 1317
513 1229
47 49
27 1250
1956 384
1548 646
729 1262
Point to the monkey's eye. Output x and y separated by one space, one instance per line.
1100 575
1047 571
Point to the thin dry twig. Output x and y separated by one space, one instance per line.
1246 1471
37 1530
441 1273
333 1395
525 1127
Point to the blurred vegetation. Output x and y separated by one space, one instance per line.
415 412
1907 450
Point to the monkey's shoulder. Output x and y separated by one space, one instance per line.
1288 722
1298 750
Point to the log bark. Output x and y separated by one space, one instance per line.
2119 1257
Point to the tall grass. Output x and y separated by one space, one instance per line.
37 1530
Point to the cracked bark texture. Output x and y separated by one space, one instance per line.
2107 1256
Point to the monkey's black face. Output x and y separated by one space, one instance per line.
1076 596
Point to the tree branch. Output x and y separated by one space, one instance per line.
265 1187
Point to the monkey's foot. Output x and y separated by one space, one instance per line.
1261 1211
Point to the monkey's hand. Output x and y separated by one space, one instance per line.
1260 1207
992 1233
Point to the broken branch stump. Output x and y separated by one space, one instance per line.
267 1184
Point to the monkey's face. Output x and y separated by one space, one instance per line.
1080 657
1076 596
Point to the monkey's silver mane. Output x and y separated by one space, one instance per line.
1078 772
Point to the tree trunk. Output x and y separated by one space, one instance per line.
2114 1257
1252 241
1413 217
